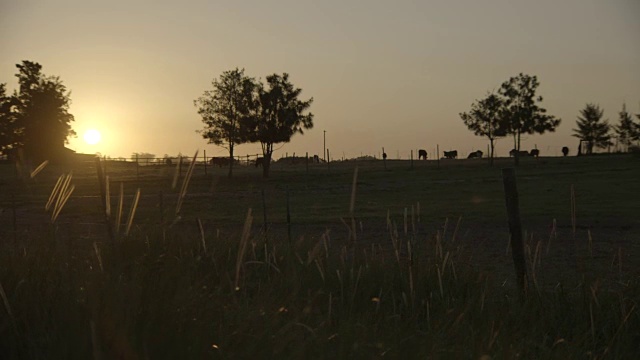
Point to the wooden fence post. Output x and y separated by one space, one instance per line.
438 154
307 161
137 170
205 162
515 228
328 161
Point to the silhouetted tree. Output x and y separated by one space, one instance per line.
279 115
40 113
8 126
484 119
522 114
592 129
226 110
627 131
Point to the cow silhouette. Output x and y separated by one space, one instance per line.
451 154
259 162
520 153
534 152
422 154
475 155
565 151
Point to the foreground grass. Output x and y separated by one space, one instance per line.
170 293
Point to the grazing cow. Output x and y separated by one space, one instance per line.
534 152
259 161
451 154
565 151
520 153
220 161
422 154
316 159
475 155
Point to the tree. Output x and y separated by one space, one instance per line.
226 110
8 124
522 114
484 119
39 113
627 131
278 116
592 129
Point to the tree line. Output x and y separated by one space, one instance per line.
240 109
516 110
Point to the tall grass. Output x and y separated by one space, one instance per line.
170 298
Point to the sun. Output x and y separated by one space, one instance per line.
92 136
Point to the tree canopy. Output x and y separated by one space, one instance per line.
592 129
226 110
522 112
36 117
627 130
279 115
484 119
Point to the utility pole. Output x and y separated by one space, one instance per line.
324 146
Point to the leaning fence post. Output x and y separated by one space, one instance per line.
103 196
515 228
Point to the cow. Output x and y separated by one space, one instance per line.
316 159
475 155
220 161
451 154
534 152
565 151
520 153
422 154
259 161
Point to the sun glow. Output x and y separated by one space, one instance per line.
92 136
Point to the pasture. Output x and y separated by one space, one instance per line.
420 267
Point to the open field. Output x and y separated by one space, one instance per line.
423 269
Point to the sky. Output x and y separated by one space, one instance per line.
392 74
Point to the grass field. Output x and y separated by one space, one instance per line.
420 268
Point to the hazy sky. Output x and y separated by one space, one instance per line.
382 73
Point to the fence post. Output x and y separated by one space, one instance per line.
103 196
438 154
264 213
515 228
205 162
328 161
384 159
288 219
137 170
307 161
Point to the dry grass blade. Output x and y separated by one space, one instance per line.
62 190
97 251
185 183
204 245
54 193
243 246
39 168
132 212
120 203
63 200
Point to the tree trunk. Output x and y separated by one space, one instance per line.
491 152
230 161
266 164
